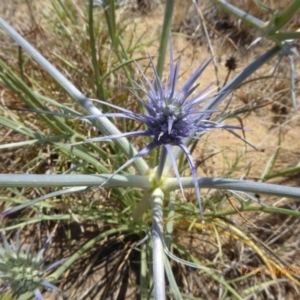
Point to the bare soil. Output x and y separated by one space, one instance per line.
272 128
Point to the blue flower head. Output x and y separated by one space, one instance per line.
170 116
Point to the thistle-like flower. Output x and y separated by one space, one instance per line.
171 116
21 270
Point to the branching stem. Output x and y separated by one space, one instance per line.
158 247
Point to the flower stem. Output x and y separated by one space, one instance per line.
165 36
247 18
158 248
161 164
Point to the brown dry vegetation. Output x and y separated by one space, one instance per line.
237 246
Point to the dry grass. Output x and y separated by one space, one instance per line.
230 244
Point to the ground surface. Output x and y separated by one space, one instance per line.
273 129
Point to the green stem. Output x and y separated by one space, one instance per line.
289 171
165 37
100 91
164 45
283 18
245 17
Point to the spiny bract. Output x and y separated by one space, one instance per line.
171 116
21 270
